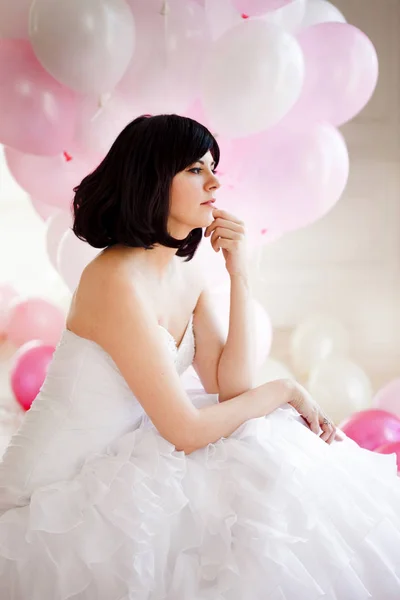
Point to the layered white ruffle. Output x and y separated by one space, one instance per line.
270 513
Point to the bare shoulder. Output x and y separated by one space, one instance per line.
113 278
106 282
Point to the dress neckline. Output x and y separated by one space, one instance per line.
75 335
184 335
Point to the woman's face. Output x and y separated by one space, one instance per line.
190 189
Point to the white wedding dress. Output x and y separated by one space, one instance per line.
96 505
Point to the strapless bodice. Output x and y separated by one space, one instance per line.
84 404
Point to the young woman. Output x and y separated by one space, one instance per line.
122 485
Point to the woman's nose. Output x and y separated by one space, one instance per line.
214 184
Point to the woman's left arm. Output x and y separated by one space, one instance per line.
236 366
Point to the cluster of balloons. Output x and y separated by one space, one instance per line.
33 328
73 73
319 351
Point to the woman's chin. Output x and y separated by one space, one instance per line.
208 217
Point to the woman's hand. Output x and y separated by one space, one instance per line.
228 233
313 414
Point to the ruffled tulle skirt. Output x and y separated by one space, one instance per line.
270 513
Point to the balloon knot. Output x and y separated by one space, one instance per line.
103 99
165 9
67 156
245 16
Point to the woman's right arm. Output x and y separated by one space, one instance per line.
115 315
222 419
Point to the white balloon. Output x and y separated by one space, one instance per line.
316 339
290 17
73 256
321 11
85 44
253 75
14 19
56 226
271 370
340 387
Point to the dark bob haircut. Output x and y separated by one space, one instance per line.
126 199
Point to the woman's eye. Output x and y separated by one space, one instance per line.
197 170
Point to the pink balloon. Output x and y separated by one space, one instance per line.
14 19
196 111
259 235
372 428
340 77
7 295
291 177
391 448
40 112
51 179
29 371
45 211
388 397
221 15
34 319
99 125
255 8
170 43
232 197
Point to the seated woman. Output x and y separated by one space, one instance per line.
122 485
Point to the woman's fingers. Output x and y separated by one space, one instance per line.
314 423
332 436
328 429
339 435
